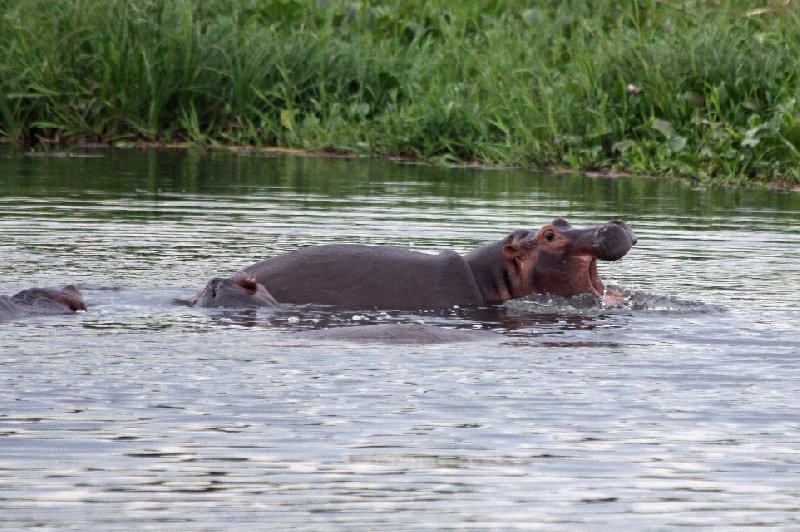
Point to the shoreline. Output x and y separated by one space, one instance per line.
65 150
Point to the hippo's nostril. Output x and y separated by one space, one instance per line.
635 240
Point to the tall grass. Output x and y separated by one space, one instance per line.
700 88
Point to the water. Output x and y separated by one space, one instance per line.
678 409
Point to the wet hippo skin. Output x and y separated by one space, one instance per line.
41 302
397 333
238 291
360 276
557 259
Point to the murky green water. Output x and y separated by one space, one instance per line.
677 409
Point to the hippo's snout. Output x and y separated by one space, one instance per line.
614 240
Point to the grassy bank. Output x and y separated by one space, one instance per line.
707 89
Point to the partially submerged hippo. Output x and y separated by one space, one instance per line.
558 259
239 291
41 302
397 333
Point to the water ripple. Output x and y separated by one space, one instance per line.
673 409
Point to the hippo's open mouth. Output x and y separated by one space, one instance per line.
610 242
594 278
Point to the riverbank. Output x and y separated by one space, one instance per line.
704 90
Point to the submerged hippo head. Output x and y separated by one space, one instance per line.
239 291
561 260
41 301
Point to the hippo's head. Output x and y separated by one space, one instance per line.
239 291
50 300
562 260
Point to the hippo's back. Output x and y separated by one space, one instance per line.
8 310
360 276
397 333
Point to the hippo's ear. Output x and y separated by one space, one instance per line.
561 223
518 244
71 297
248 283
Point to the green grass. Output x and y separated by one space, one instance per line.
518 83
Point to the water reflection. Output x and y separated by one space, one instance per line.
155 174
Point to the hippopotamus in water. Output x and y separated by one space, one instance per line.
41 302
557 259
239 291
398 333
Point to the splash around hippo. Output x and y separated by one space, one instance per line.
557 259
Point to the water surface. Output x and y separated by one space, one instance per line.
676 409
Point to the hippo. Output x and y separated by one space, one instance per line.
397 333
239 291
557 259
41 302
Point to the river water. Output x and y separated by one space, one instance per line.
676 409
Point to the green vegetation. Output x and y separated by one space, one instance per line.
707 89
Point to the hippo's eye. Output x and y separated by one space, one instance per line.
550 236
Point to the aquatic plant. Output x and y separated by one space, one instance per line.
702 89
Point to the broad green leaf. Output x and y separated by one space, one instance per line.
663 127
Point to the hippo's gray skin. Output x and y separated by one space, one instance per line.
397 333
557 259
239 291
41 302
